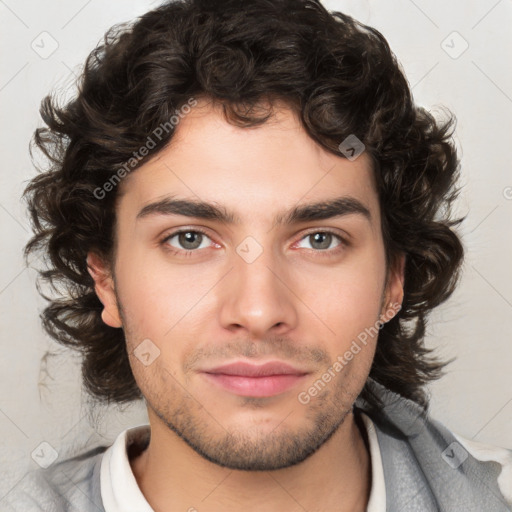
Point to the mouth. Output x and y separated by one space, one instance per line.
245 379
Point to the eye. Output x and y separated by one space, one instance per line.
322 241
186 240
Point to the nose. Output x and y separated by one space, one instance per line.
257 297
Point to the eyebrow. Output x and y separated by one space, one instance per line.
323 210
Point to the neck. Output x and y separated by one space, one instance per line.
172 476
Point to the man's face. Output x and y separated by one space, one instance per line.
253 290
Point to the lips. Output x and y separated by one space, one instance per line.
241 368
263 380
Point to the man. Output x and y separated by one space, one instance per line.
252 220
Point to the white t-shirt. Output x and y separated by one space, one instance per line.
120 492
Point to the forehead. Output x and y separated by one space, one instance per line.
253 171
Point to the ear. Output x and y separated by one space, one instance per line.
394 293
104 288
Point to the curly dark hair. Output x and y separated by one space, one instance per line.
336 73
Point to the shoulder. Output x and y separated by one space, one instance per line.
428 467
70 485
489 453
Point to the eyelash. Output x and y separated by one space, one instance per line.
188 253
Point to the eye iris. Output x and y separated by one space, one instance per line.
186 239
323 238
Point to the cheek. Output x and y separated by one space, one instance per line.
346 302
158 297
348 294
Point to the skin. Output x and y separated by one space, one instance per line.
298 302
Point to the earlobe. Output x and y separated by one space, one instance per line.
104 288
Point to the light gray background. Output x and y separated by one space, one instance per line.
41 401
